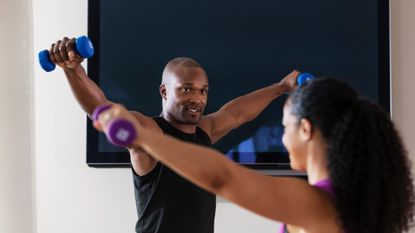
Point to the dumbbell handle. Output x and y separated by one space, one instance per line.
83 47
303 78
119 132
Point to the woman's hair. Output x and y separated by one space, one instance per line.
366 159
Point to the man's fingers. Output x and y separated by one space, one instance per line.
63 51
56 52
70 49
51 55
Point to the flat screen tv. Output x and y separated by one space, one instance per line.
243 45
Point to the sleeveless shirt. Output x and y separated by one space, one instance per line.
166 202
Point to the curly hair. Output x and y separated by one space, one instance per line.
367 162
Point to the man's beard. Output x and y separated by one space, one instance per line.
187 118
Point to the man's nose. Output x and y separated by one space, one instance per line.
197 98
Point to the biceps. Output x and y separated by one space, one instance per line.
221 123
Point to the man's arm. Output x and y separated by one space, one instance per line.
86 92
89 96
245 108
141 161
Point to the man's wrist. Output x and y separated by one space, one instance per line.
77 70
281 87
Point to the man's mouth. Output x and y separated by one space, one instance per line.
194 109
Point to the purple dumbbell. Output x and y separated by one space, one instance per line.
120 132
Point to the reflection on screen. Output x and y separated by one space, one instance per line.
262 147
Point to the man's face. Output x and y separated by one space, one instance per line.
185 95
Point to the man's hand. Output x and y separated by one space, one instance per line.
289 82
63 54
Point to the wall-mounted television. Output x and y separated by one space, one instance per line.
243 45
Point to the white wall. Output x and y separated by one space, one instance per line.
403 75
16 118
403 78
72 197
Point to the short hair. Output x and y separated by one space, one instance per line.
178 63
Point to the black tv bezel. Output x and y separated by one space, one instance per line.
95 158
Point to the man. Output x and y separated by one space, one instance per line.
166 203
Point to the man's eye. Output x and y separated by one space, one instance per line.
186 89
204 92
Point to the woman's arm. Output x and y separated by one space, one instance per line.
289 200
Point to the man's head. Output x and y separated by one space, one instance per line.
184 90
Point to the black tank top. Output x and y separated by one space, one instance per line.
167 203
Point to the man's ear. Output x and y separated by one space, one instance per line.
306 129
163 91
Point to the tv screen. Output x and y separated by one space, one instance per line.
243 46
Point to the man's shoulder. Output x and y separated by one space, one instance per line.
205 124
145 120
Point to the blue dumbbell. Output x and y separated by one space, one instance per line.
120 132
303 78
83 47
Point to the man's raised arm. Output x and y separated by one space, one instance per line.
90 96
245 108
86 92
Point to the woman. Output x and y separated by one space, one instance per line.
359 176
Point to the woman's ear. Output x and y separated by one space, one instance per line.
306 130
163 91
